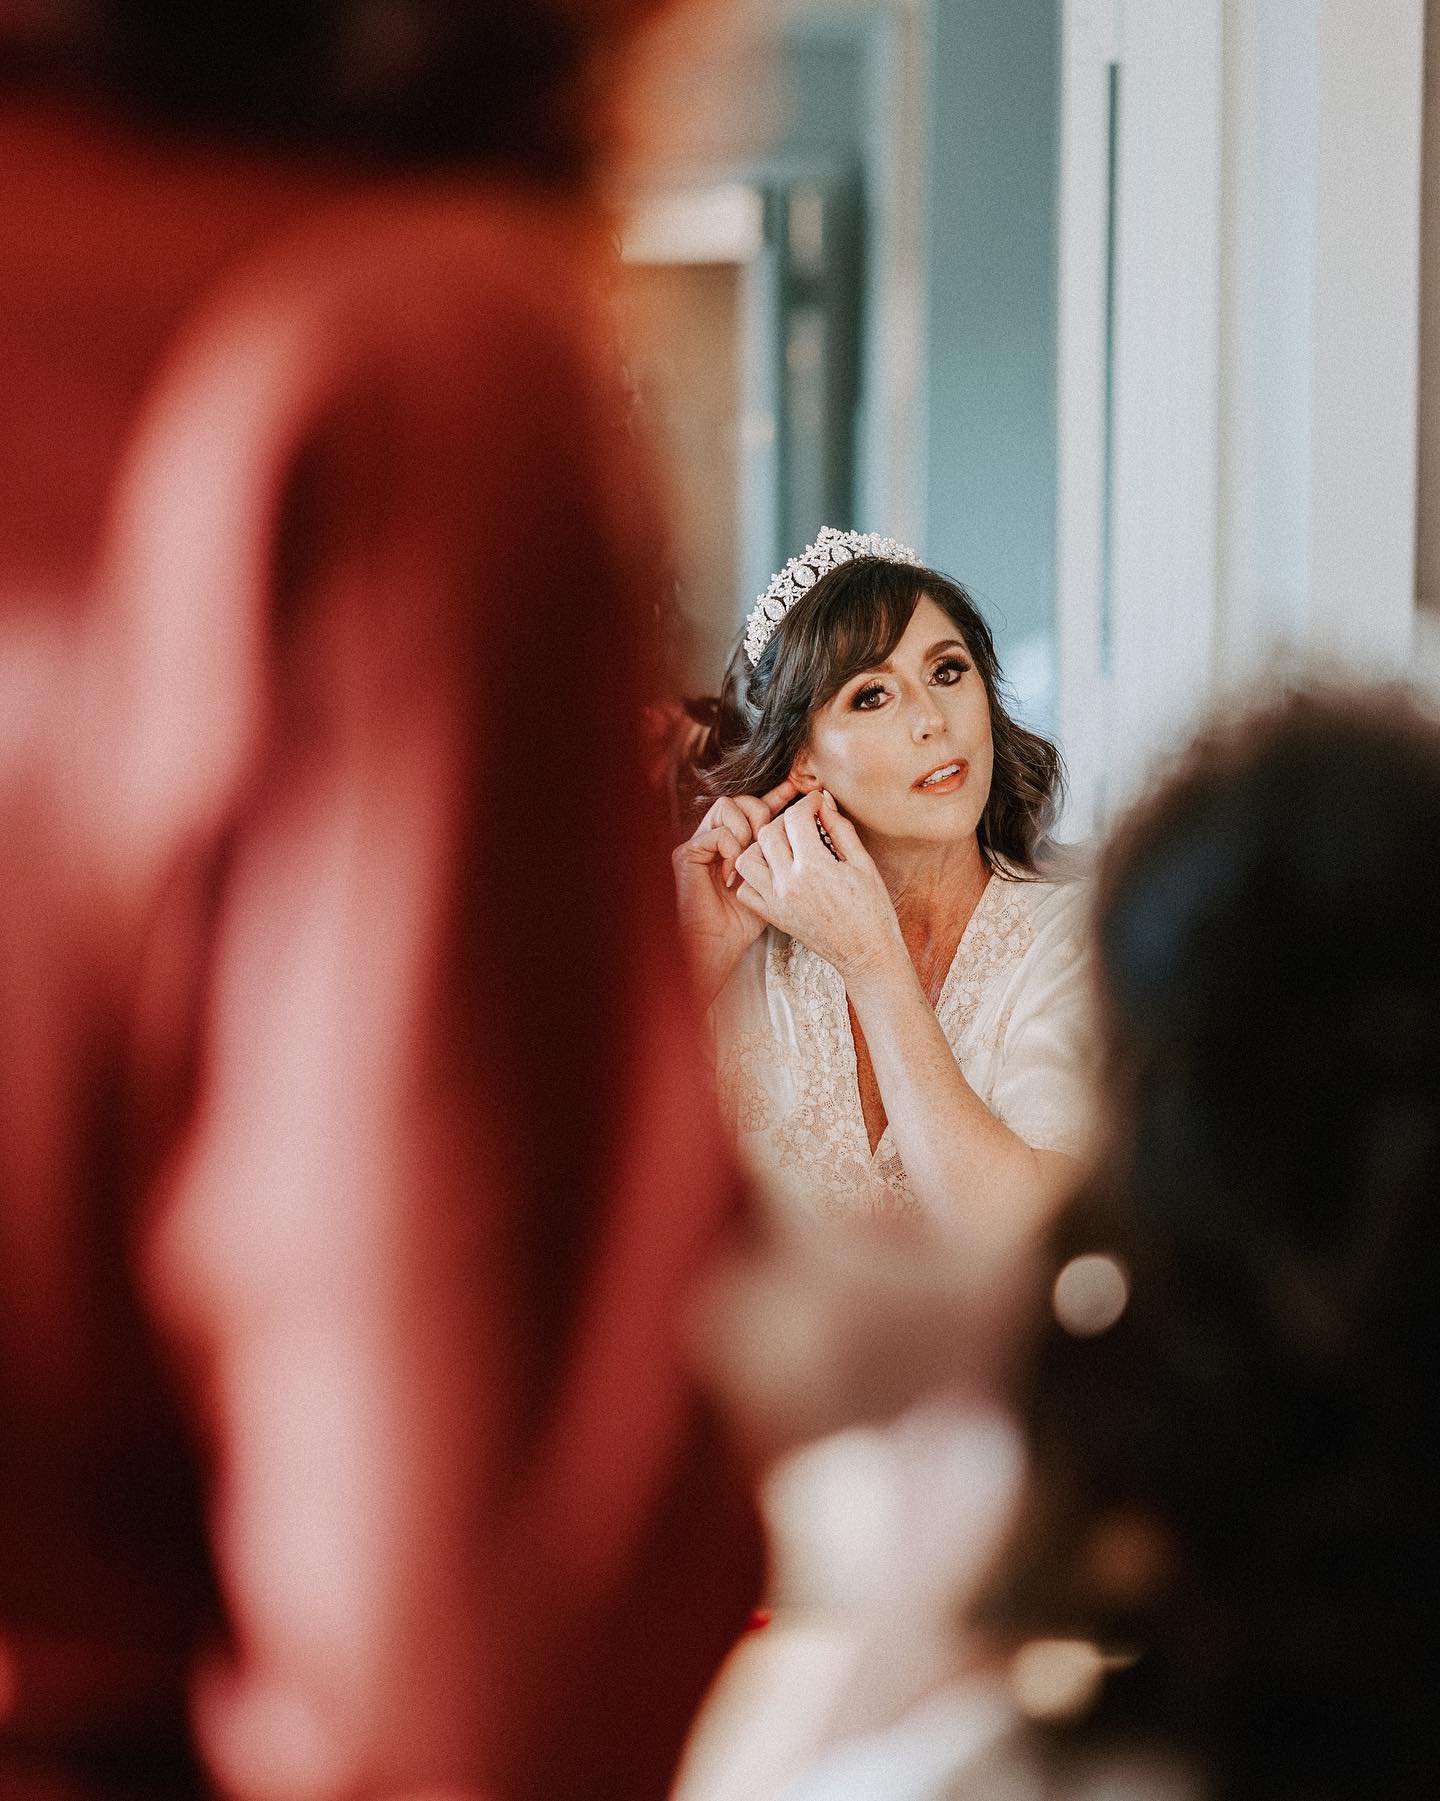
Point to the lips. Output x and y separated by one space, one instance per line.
945 778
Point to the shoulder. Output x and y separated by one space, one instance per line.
1045 929
443 305
1059 906
471 335
410 250
429 269
1044 918
430 363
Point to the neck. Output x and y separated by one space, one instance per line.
935 887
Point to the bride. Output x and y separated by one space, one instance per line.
898 992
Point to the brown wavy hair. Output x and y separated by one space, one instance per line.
850 621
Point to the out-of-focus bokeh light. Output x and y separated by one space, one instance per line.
1057 1678
1091 1293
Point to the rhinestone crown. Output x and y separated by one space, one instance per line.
800 574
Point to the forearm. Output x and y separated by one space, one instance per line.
965 1167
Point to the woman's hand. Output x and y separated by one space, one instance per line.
717 928
833 901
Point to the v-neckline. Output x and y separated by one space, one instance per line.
857 1105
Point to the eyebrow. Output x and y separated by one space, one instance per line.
888 668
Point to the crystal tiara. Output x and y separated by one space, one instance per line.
800 574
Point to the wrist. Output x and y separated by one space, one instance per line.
877 970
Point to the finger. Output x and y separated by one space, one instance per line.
729 843
751 867
800 824
842 834
750 897
755 811
774 840
703 847
735 816
730 848
779 796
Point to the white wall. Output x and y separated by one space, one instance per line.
1265 362
1428 545
1268 209
1365 332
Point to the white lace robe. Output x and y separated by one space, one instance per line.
1014 1008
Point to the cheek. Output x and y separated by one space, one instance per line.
842 757
971 725
973 722
864 767
983 763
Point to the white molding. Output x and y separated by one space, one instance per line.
1268 259
1166 381
1324 106
1089 44
1116 719
1365 351
1427 558
1265 367
1266 362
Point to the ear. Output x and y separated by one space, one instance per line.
802 773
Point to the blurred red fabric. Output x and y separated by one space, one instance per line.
355 1157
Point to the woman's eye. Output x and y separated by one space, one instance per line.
866 699
949 670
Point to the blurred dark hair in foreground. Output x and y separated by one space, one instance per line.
400 82
1235 1485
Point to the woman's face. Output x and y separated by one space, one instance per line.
905 748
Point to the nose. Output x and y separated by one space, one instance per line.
927 723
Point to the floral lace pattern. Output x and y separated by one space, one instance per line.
815 1137
792 1089
997 937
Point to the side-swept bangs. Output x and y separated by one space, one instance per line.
844 627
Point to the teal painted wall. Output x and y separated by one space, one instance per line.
988 490
991 282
